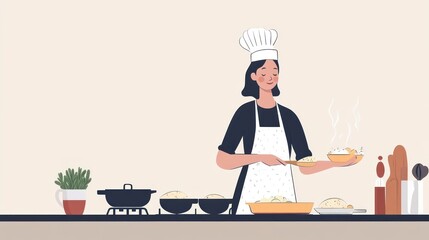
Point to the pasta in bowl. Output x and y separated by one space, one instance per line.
343 155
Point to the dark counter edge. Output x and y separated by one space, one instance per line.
214 218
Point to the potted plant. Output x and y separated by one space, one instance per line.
73 186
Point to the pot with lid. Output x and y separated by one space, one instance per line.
127 196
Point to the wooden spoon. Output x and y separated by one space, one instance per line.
391 188
301 164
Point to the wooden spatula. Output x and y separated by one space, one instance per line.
391 188
301 164
401 172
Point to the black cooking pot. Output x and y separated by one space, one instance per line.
214 206
127 197
177 205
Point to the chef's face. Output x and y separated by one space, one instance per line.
266 76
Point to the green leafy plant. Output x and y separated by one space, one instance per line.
74 179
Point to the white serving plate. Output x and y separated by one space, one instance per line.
343 211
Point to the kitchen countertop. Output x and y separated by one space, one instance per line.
212 218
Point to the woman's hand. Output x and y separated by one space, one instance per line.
270 160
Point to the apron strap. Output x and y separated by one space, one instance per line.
280 117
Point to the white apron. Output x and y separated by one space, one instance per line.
264 181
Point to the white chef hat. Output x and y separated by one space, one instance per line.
260 43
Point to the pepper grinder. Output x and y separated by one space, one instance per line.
380 189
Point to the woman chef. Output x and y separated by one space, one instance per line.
269 131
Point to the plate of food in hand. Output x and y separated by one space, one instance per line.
343 155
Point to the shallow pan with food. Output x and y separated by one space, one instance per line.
127 197
177 205
214 206
281 207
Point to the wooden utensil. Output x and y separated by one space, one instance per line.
398 170
398 164
401 172
401 156
301 164
392 188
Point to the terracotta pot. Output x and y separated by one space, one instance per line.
73 200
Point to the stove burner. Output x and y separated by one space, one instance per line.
127 210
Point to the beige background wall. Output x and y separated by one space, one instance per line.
143 92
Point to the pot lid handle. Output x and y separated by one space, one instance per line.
128 184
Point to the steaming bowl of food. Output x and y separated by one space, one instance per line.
345 155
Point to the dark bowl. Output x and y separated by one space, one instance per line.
177 205
214 206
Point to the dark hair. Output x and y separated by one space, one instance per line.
251 87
